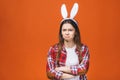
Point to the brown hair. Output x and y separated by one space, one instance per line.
77 38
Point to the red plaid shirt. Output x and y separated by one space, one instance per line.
80 69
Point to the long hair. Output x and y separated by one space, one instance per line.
77 38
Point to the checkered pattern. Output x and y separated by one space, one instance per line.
75 69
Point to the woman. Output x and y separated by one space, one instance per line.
68 59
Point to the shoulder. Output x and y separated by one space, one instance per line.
54 47
84 48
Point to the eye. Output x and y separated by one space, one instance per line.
70 29
63 29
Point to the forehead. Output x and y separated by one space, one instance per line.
67 26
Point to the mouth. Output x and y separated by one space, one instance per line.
66 36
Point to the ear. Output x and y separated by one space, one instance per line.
74 11
64 11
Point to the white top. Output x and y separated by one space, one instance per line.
72 59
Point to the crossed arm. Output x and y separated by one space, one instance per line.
67 71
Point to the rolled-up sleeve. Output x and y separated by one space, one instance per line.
82 68
50 68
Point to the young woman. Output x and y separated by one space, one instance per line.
69 59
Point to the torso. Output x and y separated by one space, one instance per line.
72 59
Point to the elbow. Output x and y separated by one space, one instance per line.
83 71
54 75
50 75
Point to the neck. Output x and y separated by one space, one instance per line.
69 44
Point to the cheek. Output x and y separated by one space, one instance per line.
73 34
62 33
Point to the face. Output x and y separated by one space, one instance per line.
68 32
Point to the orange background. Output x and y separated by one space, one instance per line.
29 27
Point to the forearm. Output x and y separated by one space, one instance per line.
65 69
54 74
65 75
74 70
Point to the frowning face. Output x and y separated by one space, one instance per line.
68 32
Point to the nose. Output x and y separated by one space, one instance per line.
67 32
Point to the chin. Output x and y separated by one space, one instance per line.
67 40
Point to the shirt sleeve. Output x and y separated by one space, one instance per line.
50 68
82 68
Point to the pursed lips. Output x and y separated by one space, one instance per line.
67 36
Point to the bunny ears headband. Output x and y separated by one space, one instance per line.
73 12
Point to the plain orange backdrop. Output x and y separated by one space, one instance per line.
29 27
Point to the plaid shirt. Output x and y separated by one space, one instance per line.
80 69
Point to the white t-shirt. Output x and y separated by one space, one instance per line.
72 59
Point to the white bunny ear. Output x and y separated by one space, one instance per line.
74 10
64 11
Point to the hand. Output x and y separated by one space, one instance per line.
65 75
57 68
60 68
63 69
